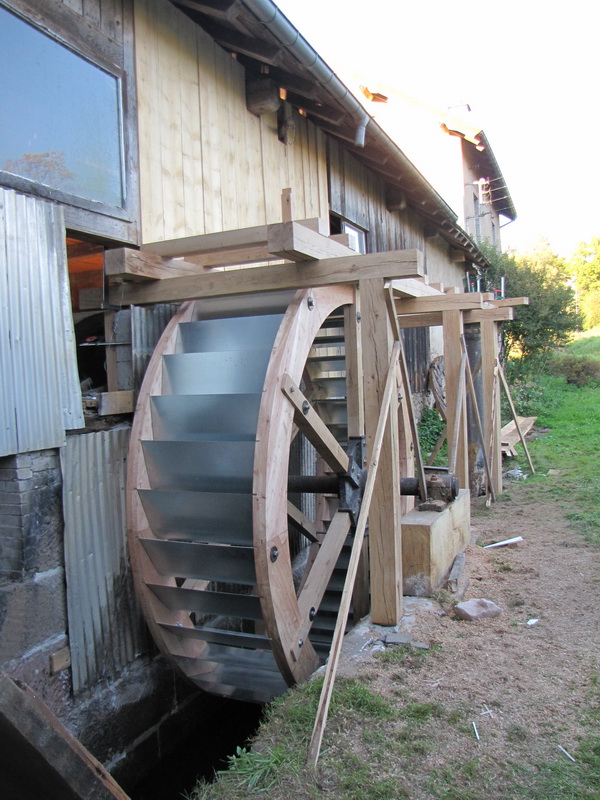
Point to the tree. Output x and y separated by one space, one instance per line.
584 265
550 318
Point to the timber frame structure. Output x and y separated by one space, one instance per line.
173 559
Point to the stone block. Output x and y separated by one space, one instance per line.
477 608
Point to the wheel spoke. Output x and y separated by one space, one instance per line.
313 427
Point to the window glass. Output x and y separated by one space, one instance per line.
61 120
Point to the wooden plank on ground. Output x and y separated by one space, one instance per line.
509 435
40 758
346 269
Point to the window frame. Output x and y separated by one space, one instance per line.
71 30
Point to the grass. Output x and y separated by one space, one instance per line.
571 444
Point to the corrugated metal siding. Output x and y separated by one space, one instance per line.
147 325
105 627
40 395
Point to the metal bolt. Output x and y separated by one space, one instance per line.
399 397
292 388
300 642
274 554
358 316
310 303
305 407
312 614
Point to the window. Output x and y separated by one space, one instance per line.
62 126
357 236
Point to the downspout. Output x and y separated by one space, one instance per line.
272 18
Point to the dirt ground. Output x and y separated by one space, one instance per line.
526 685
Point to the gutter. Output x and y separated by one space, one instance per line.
267 13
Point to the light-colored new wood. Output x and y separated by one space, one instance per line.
347 269
491 399
60 660
511 301
312 426
296 242
456 411
515 417
509 435
384 521
431 540
475 407
445 302
116 403
303 522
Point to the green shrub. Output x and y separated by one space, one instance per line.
577 370
430 429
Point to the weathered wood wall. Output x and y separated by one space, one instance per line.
206 163
104 15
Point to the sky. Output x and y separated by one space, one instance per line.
529 70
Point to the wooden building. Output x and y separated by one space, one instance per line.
135 125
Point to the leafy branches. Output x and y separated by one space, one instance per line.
550 318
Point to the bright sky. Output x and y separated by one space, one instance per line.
529 69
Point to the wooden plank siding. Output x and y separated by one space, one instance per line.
104 15
206 163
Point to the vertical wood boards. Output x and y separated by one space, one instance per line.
384 518
456 407
206 163
491 400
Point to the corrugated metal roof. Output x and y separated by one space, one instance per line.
105 625
40 395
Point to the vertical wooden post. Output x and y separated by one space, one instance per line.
112 383
456 405
491 400
385 544
355 409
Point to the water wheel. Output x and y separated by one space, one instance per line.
241 489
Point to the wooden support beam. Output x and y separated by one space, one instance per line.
491 400
209 242
384 519
296 242
404 383
510 301
456 408
440 302
347 269
473 395
313 427
314 586
39 757
433 318
303 523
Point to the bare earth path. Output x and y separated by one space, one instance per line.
527 687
